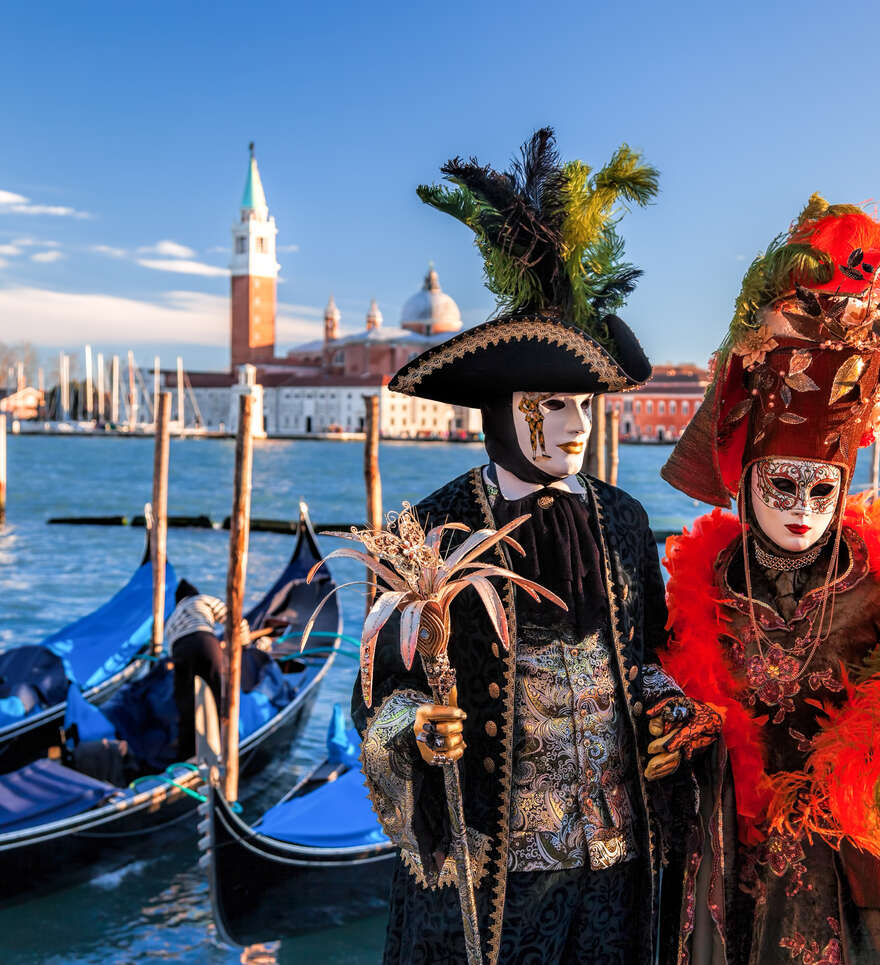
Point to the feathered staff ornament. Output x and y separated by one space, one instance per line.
421 583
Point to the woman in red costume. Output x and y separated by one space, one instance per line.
774 613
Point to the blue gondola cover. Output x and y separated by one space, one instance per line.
104 641
45 791
337 815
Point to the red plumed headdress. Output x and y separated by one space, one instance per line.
798 373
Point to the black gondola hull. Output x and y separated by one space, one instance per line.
262 889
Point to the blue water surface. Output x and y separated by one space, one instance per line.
154 904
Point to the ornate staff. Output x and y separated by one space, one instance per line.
422 584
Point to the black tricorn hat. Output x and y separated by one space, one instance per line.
530 352
552 257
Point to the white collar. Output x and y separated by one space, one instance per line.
512 487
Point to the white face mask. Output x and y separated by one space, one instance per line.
552 429
794 500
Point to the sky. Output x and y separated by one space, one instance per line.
125 127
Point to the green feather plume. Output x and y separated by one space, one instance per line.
547 230
785 264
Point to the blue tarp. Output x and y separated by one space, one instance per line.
144 712
343 746
103 642
91 649
337 814
45 791
272 693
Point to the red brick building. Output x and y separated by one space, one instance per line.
660 409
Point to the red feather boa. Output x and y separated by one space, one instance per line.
695 658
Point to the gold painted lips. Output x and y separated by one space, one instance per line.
573 448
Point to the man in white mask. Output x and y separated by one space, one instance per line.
566 830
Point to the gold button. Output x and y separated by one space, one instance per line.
633 673
494 691
491 728
545 502
495 651
637 708
489 765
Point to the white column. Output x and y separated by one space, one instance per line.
156 388
114 390
64 387
100 369
181 414
88 399
132 393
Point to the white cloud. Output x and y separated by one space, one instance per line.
223 248
16 247
184 267
287 248
53 318
19 204
109 250
298 323
3 263
168 249
47 257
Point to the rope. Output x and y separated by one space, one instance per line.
323 633
164 776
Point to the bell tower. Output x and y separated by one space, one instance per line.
254 274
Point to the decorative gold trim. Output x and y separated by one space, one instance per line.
394 827
579 343
505 774
624 676
479 845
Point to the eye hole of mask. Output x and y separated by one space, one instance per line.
553 404
784 485
821 490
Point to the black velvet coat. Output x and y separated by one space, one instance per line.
485 675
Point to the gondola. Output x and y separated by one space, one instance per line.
98 653
314 860
55 822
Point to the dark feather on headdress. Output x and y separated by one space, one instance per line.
546 229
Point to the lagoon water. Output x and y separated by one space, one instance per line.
152 903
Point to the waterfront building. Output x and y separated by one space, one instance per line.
659 410
24 402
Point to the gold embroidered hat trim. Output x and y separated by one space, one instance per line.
602 373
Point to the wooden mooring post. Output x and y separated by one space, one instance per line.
235 582
595 463
372 479
2 468
159 534
613 446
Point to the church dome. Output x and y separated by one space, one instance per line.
430 310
